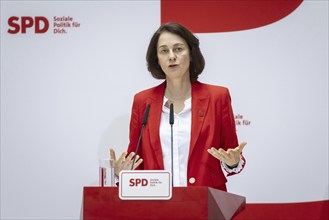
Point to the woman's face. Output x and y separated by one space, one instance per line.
173 56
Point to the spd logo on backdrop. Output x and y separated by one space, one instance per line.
41 24
20 24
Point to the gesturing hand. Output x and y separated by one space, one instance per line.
124 163
231 157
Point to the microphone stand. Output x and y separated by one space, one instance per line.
171 122
146 114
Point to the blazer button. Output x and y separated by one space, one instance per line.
192 180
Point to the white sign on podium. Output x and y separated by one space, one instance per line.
145 185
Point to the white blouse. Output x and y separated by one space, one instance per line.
181 141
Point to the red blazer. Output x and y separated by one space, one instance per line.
213 125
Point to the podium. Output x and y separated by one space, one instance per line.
186 203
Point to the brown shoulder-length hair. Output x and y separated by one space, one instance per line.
197 61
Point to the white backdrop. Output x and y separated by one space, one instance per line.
66 98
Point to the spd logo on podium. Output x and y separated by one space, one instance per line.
145 185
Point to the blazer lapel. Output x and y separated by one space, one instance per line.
156 101
200 103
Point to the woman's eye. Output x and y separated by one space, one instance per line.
178 49
163 51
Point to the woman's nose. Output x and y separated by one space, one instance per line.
172 55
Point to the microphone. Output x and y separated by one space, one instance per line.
146 115
144 122
171 114
171 122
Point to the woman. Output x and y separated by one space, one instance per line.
204 130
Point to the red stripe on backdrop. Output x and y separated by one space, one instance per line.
292 211
206 16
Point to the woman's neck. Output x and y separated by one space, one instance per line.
178 90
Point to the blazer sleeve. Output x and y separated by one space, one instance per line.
229 137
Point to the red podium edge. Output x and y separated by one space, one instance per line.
186 203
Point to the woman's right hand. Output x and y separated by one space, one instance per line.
124 163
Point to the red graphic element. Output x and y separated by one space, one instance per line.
204 16
292 211
41 24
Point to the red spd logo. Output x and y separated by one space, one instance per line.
21 24
138 182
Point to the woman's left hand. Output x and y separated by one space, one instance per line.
231 157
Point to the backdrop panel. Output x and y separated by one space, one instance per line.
69 71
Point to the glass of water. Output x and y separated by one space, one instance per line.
106 172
